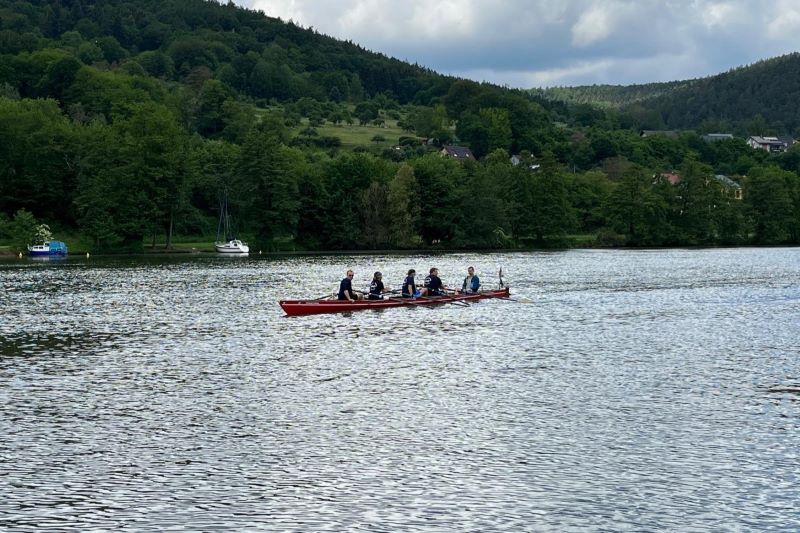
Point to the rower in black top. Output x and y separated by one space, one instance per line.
434 283
376 289
409 289
346 288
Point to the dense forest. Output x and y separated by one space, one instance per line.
759 99
122 124
615 96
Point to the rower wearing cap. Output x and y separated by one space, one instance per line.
376 288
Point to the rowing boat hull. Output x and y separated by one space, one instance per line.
313 307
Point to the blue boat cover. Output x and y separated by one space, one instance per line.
58 247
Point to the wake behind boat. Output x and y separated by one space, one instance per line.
311 307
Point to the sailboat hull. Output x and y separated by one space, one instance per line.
232 247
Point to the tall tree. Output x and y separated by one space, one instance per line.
268 175
403 207
768 193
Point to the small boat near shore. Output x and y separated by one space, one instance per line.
229 244
311 307
233 246
48 249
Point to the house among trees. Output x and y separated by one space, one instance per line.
517 159
729 185
770 144
672 134
711 137
670 177
462 153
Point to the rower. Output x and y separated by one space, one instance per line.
346 288
433 283
409 289
376 288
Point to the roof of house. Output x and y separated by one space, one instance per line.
766 140
667 133
726 181
671 177
717 136
459 152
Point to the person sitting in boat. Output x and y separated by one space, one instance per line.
346 288
376 288
409 289
471 283
433 283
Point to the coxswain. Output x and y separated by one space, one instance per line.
471 283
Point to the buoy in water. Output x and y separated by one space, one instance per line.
87 255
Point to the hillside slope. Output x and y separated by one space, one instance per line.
755 99
612 96
734 100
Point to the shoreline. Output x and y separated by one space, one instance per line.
5 254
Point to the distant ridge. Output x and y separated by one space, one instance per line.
762 97
612 96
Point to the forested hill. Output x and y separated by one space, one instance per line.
123 123
189 40
757 99
613 96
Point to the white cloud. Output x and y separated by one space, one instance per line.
785 24
718 14
592 26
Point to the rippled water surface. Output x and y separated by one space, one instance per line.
639 390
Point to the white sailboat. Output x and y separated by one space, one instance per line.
229 244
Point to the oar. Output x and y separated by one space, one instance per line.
447 300
518 300
406 301
329 295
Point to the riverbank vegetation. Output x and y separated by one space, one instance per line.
124 123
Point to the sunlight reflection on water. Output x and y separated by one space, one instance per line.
643 390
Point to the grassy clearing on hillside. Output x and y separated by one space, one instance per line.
355 135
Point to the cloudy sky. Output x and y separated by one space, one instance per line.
532 43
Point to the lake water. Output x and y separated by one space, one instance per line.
639 390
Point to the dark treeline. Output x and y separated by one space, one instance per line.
125 121
759 99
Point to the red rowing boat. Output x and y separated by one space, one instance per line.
311 307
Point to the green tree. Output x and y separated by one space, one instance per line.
636 211
37 159
438 178
403 208
268 175
375 215
768 195
131 178
548 209
211 113
498 127
698 194
23 230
